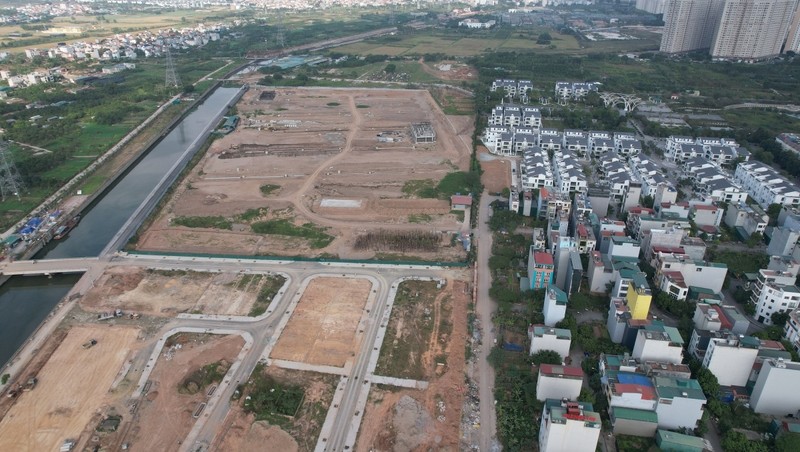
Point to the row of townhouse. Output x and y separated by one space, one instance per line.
723 151
654 184
748 364
536 171
510 135
512 115
712 181
765 185
646 394
569 176
575 90
624 186
512 87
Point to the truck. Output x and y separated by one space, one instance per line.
91 343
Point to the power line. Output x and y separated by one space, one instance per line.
10 180
172 80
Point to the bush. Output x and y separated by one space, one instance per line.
266 397
546 357
214 222
4 379
316 235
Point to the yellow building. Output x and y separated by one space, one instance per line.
639 297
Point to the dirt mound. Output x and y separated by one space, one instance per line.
412 424
261 433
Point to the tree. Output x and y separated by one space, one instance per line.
648 201
4 379
390 68
773 210
736 442
546 357
544 39
754 239
787 442
779 319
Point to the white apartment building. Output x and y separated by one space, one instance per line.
676 272
555 305
752 30
774 298
765 185
731 359
546 338
791 332
680 403
775 392
662 346
558 382
689 25
575 90
569 427
536 170
752 220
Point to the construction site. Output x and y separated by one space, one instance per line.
309 170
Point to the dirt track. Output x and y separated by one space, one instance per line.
315 145
72 386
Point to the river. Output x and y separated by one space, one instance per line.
25 301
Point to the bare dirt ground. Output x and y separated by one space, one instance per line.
164 417
242 433
402 420
323 328
311 145
164 293
496 172
456 70
72 386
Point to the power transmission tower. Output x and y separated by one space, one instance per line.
10 180
280 35
172 77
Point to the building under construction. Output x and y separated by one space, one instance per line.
423 132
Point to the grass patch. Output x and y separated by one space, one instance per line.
214 222
252 214
362 106
402 349
270 285
267 189
420 188
739 262
267 398
316 235
333 104
204 376
459 214
419 218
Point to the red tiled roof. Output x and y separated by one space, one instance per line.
461 199
570 371
709 228
542 258
669 249
582 230
723 319
705 207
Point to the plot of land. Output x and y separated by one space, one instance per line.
167 293
72 386
250 432
323 328
165 415
275 185
429 419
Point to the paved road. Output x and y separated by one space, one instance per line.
265 330
485 309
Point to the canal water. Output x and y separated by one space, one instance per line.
25 301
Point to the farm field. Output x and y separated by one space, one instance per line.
72 386
308 171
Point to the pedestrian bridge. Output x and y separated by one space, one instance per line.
48 266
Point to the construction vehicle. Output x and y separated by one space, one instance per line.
90 344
